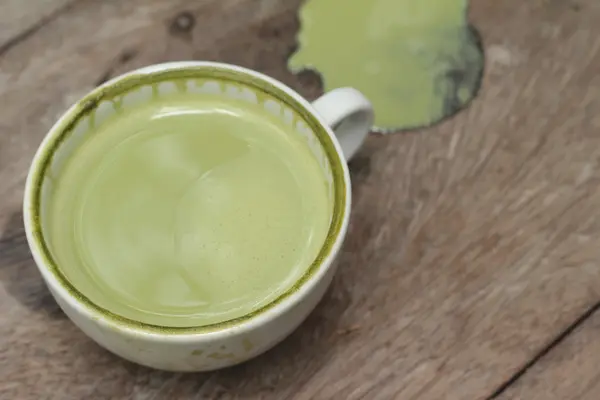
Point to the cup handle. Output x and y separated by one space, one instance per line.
349 114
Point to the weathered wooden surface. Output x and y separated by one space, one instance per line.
473 244
19 21
569 371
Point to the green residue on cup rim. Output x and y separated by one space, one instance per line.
417 61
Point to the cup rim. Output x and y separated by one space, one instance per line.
62 288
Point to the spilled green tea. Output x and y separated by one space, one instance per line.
418 61
188 211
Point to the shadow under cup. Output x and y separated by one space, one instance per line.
143 86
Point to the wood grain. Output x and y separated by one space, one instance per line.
569 371
20 21
472 244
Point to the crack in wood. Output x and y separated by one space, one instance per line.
126 56
106 75
543 352
15 40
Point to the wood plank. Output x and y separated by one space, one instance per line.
568 371
18 21
472 244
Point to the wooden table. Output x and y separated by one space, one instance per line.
471 268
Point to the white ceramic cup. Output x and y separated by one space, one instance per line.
202 348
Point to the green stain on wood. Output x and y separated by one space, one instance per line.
417 61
